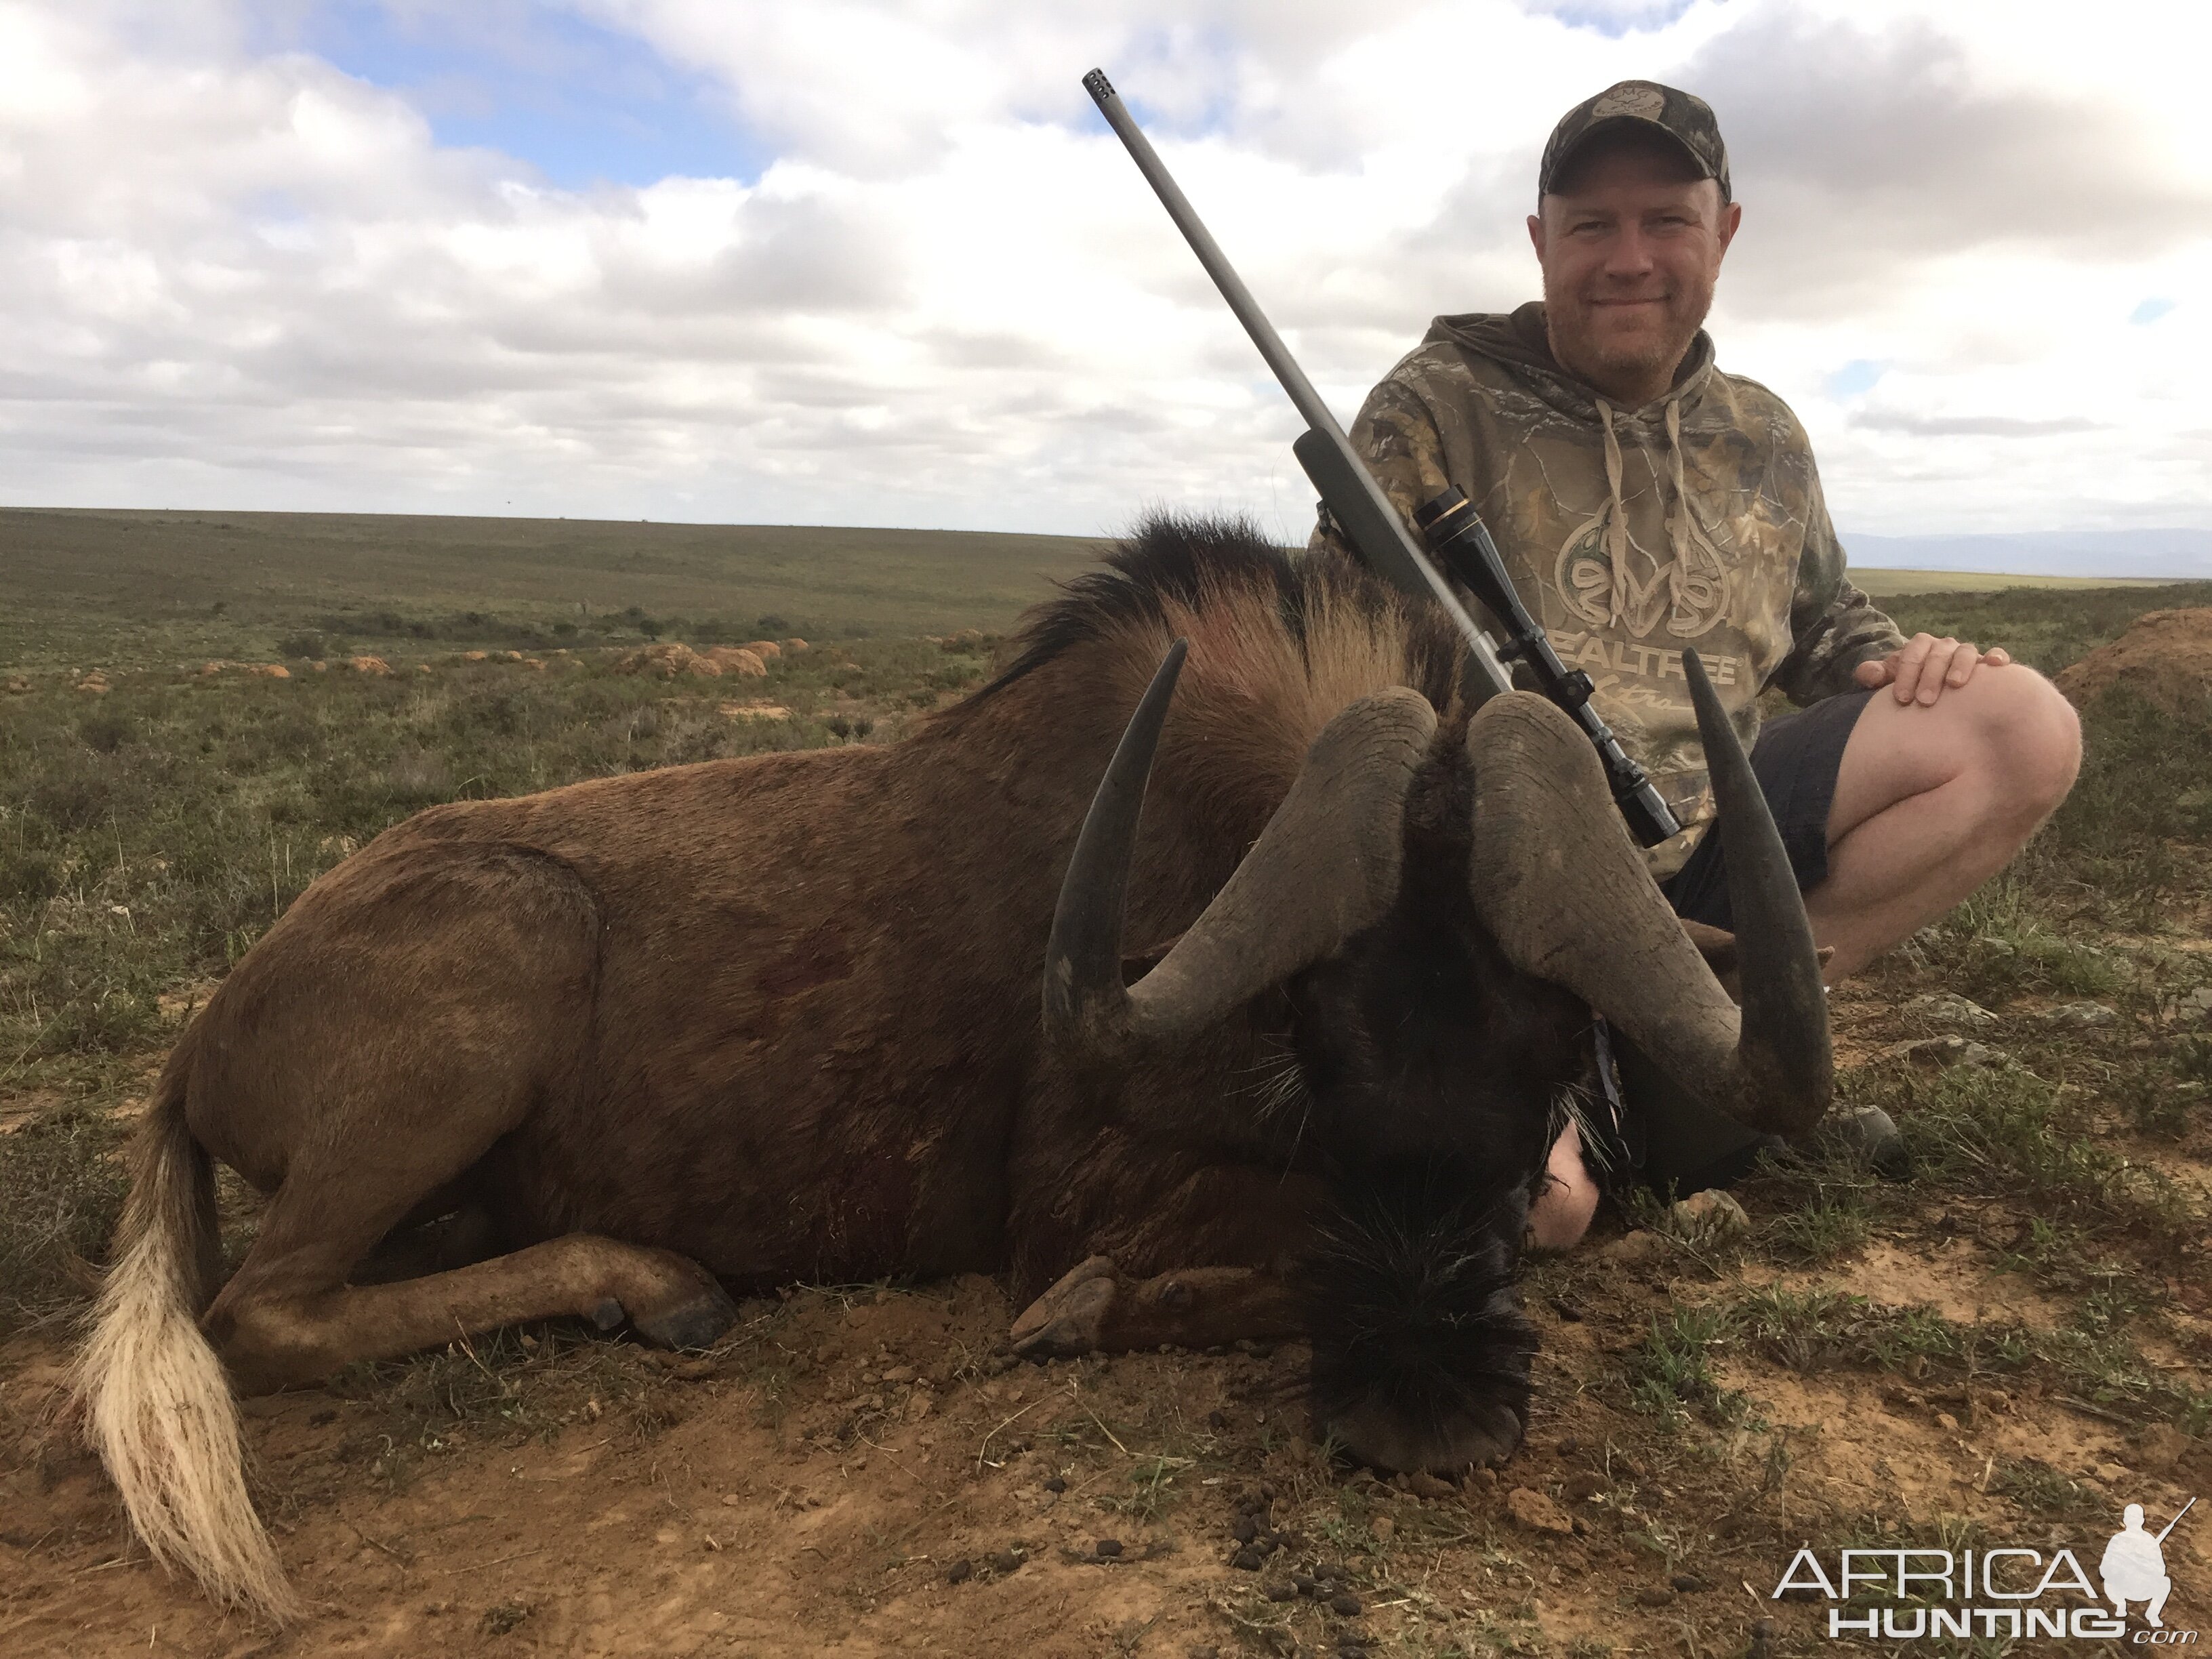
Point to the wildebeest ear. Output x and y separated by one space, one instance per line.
1135 964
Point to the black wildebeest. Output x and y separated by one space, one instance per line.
777 1018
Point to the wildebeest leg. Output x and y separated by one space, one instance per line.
458 1235
1176 1254
291 1320
1094 1308
367 1083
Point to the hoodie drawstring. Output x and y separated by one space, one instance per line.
1678 510
1616 526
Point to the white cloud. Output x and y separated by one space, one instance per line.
238 276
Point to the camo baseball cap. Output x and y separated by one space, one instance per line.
1681 116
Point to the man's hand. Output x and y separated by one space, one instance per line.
1918 670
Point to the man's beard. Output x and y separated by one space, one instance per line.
1586 347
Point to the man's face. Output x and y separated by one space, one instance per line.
1630 246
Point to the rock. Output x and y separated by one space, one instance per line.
269 671
1055 1484
2160 1448
1949 1008
1687 1582
1537 1512
475 656
796 645
2080 1016
96 683
1946 1422
1937 1054
1636 1248
898 1374
2196 1004
766 650
668 661
17 685
1581 1488
694 1371
1004 1562
376 667
1382 1527
1708 1215
1422 1483
736 660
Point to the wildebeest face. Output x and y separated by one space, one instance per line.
1433 1074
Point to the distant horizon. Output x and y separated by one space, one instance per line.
2171 553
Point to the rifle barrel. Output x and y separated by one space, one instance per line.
2176 1521
1406 564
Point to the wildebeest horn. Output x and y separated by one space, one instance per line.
1555 880
1326 865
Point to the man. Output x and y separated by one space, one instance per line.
1645 502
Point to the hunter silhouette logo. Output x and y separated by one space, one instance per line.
2002 1591
2134 1567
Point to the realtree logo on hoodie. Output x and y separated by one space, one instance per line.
1630 533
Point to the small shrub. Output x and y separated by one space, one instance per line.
65 1184
28 877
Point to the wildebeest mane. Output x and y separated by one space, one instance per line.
1178 562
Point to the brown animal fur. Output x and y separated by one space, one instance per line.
750 1020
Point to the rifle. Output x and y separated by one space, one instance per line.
1377 531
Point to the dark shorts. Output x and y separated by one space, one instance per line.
1796 759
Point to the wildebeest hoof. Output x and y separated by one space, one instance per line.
607 1314
1070 1318
1464 1440
696 1321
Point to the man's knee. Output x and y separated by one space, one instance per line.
2029 738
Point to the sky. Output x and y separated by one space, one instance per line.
880 261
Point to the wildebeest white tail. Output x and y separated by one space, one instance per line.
157 1405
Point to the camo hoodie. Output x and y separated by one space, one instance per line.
1697 520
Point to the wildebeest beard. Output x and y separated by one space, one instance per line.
1433 1073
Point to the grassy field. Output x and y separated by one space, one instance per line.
86 588
90 588
2002 1348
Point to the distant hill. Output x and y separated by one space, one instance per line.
2102 554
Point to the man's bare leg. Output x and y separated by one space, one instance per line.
1932 801
1562 1212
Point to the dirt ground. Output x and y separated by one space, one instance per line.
2003 1350
2166 656
870 1472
